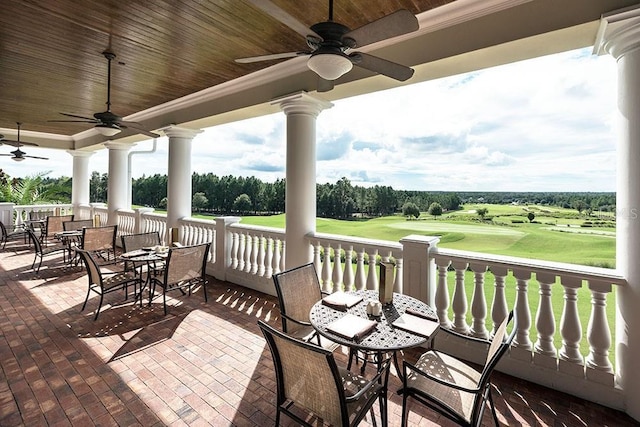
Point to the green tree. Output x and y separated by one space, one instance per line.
242 204
435 209
410 209
32 189
482 212
531 216
199 201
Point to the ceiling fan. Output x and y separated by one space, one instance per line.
330 42
106 122
18 155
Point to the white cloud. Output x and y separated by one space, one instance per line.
545 124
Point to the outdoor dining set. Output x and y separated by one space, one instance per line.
144 263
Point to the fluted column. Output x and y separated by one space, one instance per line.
619 36
179 174
80 195
118 186
300 194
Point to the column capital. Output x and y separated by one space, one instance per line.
123 146
302 103
180 132
619 32
80 153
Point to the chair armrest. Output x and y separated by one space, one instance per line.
409 366
299 322
465 337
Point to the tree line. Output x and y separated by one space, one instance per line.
229 195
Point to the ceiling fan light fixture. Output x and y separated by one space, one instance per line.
329 66
107 130
17 159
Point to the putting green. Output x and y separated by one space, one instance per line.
422 226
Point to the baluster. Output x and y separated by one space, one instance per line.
397 283
360 275
282 257
348 269
598 332
545 320
242 240
442 292
248 244
276 256
372 276
459 304
269 258
255 247
570 327
479 302
522 340
234 249
326 269
317 261
337 268
262 255
499 308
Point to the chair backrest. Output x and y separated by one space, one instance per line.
186 263
99 238
54 224
78 224
298 290
307 375
35 215
132 242
93 269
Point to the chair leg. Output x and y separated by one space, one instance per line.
204 288
164 300
86 299
493 408
403 423
99 305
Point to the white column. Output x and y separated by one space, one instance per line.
80 179
179 174
620 36
300 195
117 189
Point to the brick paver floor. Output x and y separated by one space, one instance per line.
202 364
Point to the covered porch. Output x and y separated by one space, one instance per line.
248 256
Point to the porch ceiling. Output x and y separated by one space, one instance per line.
167 51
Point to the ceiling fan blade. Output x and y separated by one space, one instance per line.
324 85
17 144
78 117
36 157
271 57
284 17
395 24
6 155
72 121
382 66
137 127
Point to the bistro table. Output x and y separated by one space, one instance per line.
68 238
147 256
385 338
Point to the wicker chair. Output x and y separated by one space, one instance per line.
53 225
452 387
43 251
309 380
102 282
12 233
101 241
185 268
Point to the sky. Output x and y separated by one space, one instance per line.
545 124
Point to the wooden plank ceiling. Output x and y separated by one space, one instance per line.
51 61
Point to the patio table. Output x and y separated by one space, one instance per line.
141 257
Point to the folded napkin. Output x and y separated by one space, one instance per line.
417 324
413 312
133 254
341 300
351 327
